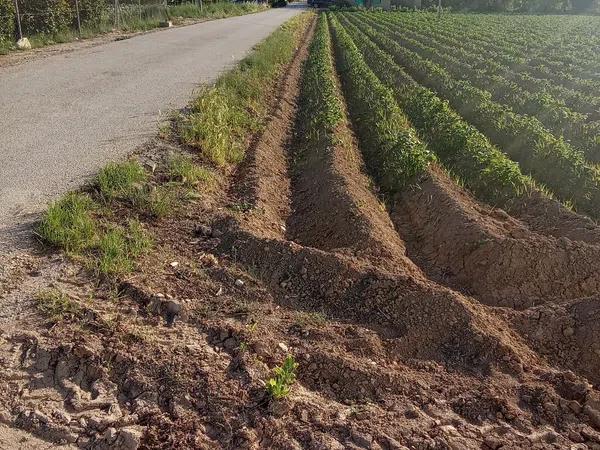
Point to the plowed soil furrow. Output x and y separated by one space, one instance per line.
334 207
546 216
319 262
429 321
262 183
567 333
489 254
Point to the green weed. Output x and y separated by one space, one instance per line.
118 248
156 201
117 180
68 223
182 168
284 377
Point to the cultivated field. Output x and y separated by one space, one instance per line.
380 231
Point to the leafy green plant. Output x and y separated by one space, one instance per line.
461 148
284 376
7 22
91 12
45 16
394 153
546 159
68 223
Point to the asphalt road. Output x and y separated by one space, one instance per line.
63 117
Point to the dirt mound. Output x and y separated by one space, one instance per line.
567 333
547 216
334 207
488 254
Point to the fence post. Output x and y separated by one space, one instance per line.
18 19
116 13
78 18
140 9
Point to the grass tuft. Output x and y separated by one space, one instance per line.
119 247
68 223
181 168
156 201
57 305
117 180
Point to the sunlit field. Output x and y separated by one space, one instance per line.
529 85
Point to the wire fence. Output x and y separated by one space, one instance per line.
56 19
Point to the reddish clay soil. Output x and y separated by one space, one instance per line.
487 253
547 216
445 324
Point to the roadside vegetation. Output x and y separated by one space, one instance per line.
98 17
103 227
106 226
224 116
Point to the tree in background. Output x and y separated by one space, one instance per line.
7 21
45 16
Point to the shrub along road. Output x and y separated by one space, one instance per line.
65 116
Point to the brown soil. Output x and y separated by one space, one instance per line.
294 253
487 253
548 216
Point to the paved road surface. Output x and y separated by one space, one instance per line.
63 117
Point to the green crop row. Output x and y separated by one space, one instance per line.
547 159
321 109
462 150
559 43
393 152
490 63
521 55
559 119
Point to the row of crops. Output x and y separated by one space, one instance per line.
420 88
